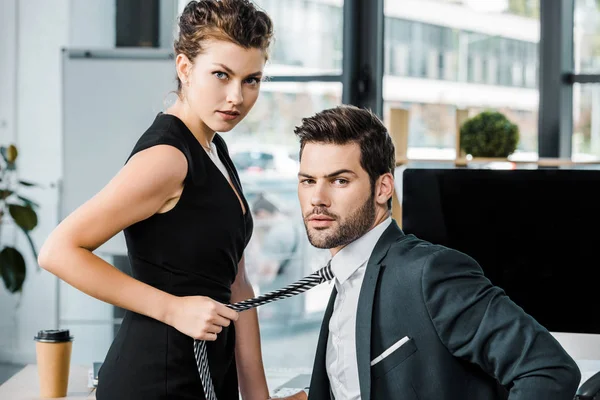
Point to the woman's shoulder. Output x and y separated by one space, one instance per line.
167 129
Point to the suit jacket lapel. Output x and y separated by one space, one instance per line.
319 382
365 307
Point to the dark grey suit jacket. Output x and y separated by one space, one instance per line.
466 339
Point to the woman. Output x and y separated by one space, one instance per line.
179 202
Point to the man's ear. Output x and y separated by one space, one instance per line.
384 189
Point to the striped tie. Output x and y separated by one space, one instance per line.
301 286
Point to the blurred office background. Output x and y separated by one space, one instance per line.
430 57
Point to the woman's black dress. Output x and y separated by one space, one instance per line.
191 250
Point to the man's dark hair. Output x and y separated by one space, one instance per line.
348 124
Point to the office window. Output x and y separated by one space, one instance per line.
401 59
449 65
586 124
586 97
417 53
446 55
531 65
491 71
433 64
308 34
517 74
397 42
586 36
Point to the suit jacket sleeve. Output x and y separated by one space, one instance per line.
478 322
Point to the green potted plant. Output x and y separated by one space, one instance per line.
489 134
18 210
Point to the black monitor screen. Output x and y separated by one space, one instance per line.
535 233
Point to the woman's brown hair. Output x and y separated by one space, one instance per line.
236 21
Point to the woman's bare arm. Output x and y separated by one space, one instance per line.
251 374
149 182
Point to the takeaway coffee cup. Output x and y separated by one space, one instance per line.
53 351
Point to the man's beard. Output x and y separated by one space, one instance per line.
348 230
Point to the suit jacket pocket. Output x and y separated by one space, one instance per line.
393 356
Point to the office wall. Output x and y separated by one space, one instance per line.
92 23
7 133
7 70
30 116
35 31
32 34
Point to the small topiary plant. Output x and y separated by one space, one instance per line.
489 134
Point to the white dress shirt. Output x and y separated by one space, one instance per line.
349 267
213 154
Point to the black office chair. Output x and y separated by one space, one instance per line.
590 390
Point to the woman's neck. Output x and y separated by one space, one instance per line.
201 132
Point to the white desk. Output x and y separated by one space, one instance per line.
24 385
588 368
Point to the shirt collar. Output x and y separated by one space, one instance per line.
350 258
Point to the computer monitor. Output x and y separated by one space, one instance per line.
535 234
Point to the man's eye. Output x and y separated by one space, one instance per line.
341 181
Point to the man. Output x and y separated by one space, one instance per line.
407 319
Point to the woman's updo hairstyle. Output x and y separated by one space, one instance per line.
236 21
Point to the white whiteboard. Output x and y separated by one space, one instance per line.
110 97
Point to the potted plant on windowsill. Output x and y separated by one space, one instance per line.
19 212
488 136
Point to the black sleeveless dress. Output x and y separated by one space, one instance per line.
191 250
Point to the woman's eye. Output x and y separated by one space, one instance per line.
220 75
253 81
